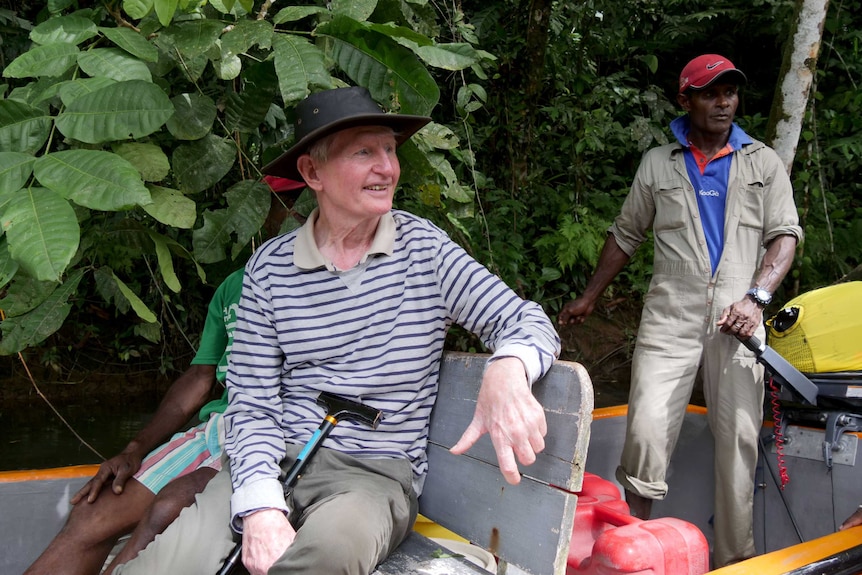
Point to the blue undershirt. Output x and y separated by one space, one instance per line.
710 179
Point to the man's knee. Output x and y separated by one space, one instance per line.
107 518
367 527
163 511
176 496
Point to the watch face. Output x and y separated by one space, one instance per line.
762 296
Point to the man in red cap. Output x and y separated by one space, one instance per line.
725 228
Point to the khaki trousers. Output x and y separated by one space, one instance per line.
349 513
663 375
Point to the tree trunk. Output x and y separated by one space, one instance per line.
530 78
797 73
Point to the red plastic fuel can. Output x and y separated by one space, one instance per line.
607 540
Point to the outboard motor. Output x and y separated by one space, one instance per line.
820 333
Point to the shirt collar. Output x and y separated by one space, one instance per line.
682 125
306 256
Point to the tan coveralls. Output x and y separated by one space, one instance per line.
678 333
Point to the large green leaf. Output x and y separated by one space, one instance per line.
186 41
242 36
400 34
92 178
113 63
248 204
296 13
69 29
171 207
137 9
201 164
455 56
8 266
42 231
48 60
131 109
209 240
165 10
393 74
166 263
298 64
179 249
245 34
149 159
43 91
32 328
15 168
227 67
357 9
25 294
71 90
103 278
137 303
193 118
132 42
22 128
245 111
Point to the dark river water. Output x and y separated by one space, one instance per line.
33 437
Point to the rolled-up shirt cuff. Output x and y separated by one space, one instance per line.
256 496
528 356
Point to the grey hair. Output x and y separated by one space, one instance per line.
319 150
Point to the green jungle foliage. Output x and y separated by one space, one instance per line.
131 136
132 133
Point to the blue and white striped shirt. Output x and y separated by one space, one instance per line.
374 334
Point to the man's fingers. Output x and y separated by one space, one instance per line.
95 484
120 479
82 492
537 445
508 467
470 436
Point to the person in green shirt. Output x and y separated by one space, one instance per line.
142 489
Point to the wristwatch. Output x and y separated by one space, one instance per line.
760 296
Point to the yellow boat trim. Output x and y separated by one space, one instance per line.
43 474
622 410
785 560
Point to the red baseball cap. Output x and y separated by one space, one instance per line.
706 69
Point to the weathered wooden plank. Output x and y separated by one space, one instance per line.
418 555
527 525
566 393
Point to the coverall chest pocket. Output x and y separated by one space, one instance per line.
671 211
751 206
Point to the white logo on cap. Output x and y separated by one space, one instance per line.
711 66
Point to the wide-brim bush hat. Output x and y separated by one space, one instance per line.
324 113
706 69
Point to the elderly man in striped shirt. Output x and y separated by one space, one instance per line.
357 303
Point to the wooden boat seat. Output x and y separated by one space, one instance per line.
528 525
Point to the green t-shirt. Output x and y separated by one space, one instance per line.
217 336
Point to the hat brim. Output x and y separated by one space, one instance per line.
404 126
733 76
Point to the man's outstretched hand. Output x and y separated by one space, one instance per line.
117 470
507 410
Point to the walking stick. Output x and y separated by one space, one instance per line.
337 408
